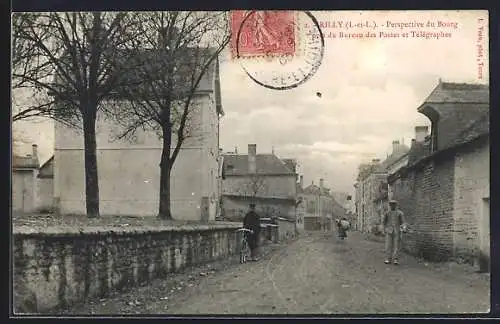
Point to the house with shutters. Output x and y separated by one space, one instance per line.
444 189
129 172
263 179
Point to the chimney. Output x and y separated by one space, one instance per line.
395 146
236 149
321 183
301 181
420 133
252 153
34 149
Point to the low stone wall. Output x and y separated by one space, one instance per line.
59 269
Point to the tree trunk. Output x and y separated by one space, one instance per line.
91 176
165 170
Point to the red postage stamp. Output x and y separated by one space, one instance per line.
262 33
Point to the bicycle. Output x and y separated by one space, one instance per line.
245 247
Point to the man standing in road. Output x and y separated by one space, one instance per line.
252 222
393 222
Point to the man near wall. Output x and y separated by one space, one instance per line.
393 222
252 222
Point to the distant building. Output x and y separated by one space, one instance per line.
24 182
372 189
264 179
444 189
318 208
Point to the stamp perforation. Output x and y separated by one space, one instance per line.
266 56
268 49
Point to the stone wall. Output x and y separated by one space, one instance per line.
54 270
446 203
425 195
433 212
471 233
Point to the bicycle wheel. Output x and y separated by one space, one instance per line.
243 256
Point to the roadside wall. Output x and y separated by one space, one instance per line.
59 269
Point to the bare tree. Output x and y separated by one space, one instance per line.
67 61
177 54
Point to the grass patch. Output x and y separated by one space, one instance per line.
53 222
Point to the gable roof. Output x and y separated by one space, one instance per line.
449 92
394 157
267 164
421 152
313 189
47 169
291 164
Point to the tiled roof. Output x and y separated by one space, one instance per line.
267 164
468 101
340 197
364 170
291 164
27 162
394 157
479 127
47 169
448 92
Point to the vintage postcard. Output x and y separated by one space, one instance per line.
250 163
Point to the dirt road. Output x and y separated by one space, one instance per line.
317 274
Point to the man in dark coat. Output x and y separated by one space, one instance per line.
252 222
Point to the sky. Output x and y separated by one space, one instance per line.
370 91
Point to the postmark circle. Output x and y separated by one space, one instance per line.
279 51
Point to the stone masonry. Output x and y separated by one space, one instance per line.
471 204
58 269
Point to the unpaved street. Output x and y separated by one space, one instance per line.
317 274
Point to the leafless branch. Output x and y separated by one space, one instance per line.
253 186
174 57
67 62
